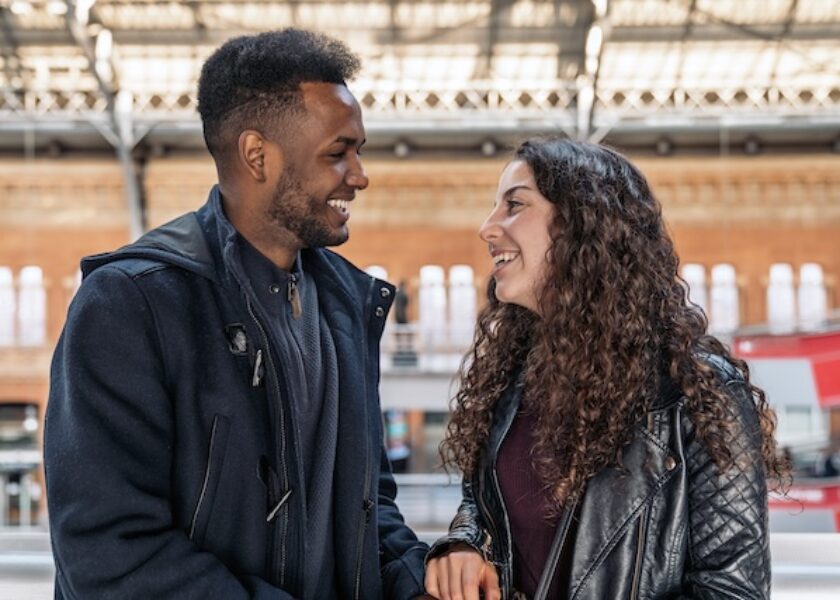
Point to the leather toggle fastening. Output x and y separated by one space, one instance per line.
273 514
237 339
267 475
259 369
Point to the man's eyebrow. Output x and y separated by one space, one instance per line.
349 141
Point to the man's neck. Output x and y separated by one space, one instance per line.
277 245
282 257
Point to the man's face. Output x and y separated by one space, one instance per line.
322 168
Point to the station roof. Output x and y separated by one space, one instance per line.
656 74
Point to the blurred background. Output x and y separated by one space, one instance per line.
730 107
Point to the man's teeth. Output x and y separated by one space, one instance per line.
504 257
339 204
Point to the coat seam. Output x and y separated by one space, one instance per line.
134 277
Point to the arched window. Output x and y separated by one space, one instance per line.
7 307
695 276
725 308
432 307
32 307
462 305
811 295
781 299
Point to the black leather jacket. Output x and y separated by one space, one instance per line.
670 526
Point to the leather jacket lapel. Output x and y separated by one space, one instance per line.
615 498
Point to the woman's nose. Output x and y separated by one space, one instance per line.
490 229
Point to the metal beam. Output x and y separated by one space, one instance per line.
789 20
587 82
119 117
776 34
9 49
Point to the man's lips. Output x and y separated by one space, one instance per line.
341 207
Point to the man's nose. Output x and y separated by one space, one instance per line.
356 176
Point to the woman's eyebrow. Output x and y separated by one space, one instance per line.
513 189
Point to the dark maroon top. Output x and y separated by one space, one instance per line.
526 502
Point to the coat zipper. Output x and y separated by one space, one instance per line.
279 570
367 503
293 296
640 548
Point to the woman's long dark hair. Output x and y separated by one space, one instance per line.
614 325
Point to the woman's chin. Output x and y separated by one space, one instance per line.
515 299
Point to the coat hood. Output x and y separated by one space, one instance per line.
180 243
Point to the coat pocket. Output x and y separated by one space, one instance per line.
212 474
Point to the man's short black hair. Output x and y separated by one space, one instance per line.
251 80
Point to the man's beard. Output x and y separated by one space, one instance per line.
302 215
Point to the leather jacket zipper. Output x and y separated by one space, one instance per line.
278 569
508 566
554 553
640 549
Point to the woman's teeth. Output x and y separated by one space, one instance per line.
339 205
504 257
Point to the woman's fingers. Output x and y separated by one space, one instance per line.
459 574
443 578
471 574
490 583
431 581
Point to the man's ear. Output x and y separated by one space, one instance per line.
253 148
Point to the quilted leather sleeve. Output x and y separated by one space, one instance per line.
728 553
466 527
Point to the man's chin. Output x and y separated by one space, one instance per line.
337 238
343 236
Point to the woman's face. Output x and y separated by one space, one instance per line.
517 233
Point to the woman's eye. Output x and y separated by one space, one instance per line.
513 205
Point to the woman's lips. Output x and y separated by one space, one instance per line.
499 267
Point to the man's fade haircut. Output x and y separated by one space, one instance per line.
251 81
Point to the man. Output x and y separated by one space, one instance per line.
213 429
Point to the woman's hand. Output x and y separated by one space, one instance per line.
460 574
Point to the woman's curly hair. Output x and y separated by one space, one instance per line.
614 325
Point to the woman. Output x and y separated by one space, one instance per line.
610 448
